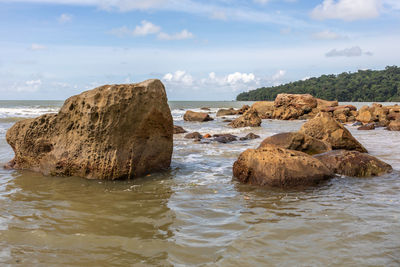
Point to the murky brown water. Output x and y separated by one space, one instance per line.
196 215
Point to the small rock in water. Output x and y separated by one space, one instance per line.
366 127
227 121
207 136
179 130
205 108
194 135
224 138
250 136
196 116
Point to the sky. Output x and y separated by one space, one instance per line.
201 50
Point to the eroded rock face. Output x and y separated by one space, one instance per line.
249 119
321 103
111 132
326 128
196 116
292 106
297 141
353 163
394 126
275 166
265 109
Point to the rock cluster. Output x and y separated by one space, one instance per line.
111 132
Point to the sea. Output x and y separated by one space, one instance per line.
196 213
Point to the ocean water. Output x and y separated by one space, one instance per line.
196 214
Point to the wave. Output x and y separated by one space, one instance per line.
16 113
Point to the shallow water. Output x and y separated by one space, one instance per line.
195 214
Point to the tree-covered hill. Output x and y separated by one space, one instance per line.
361 86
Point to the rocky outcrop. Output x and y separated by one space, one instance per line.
111 132
249 119
353 163
196 116
326 128
265 109
275 166
226 112
297 141
243 109
326 104
179 130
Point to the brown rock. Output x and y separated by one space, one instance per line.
243 109
275 166
265 109
326 128
296 100
394 126
393 116
353 163
367 127
249 119
196 116
194 135
297 141
224 138
227 120
111 132
207 136
205 108
226 112
179 130
249 136
326 104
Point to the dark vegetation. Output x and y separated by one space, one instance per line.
361 86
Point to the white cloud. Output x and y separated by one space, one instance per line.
146 28
278 75
37 47
179 77
354 51
64 18
29 86
262 2
327 35
184 34
347 10
238 77
219 15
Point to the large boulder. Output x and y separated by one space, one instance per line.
292 106
326 104
326 128
111 132
249 119
196 116
243 109
297 141
394 126
265 109
275 166
353 163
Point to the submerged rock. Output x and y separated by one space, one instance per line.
353 163
111 132
275 166
299 142
367 127
196 116
249 119
179 130
326 128
194 135
224 138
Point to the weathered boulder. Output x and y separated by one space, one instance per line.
265 109
243 109
394 126
366 115
353 163
297 141
367 127
249 119
111 132
196 116
275 166
292 106
249 136
326 104
194 135
326 128
226 112
179 130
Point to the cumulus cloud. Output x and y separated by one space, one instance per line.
37 47
327 35
278 75
184 34
348 10
64 18
354 51
146 28
180 77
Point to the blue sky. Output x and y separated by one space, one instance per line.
201 50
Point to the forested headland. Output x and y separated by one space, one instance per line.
361 86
